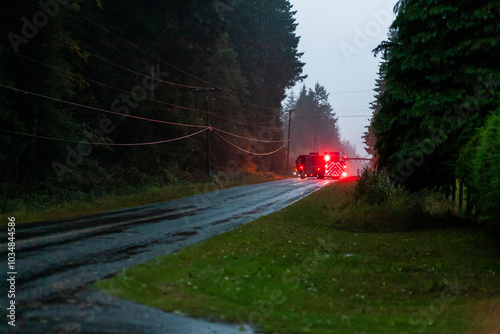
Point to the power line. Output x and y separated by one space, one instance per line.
134 72
134 46
170 104
250 139
247 124
318 117
112 63
353 92
137 73
255 105
251 112
263 107
99 109
260 115
145 76
131 116
102 84
252 153
152 56
354 116
124 68
102 144
351 110
148 119
105 43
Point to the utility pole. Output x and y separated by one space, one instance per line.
207 118
288 149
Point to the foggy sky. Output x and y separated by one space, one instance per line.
338 37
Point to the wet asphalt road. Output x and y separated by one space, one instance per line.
57 260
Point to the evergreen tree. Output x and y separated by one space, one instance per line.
314 125
441 73
369 138
263 35
487 172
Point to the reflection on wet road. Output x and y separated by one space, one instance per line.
56 260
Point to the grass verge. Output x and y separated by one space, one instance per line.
40 208
295 272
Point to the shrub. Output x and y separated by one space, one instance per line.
487 173
376 204
375 187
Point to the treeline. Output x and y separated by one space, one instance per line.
314 123
438 110
314 126
90 88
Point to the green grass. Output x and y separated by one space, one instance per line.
39 208
294 272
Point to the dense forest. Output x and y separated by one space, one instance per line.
95 92
437 115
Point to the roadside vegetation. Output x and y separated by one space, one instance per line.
436 118
353 257
376 204
486 180
54 202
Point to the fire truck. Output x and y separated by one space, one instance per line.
330 164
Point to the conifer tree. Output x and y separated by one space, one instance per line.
441 74
314 123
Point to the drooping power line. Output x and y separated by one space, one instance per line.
99 109
101 144
249 152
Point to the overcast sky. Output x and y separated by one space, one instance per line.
338 37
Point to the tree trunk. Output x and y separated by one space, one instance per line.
470 205
460 196
454 191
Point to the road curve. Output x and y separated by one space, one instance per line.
56 260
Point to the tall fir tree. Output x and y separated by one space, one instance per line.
369 138
441 78
314 122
